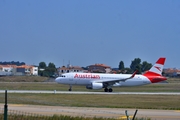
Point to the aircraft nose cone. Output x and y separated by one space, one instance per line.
57 79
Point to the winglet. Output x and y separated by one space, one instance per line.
130 76
134 74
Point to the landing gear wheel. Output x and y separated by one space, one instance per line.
110 89
70 87
106 90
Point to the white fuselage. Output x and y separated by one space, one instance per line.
88 78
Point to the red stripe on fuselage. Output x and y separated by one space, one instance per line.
154 77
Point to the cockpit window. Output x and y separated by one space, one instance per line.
62 76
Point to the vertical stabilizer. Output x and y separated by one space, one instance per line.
157 68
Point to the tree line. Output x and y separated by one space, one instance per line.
136 64
12 63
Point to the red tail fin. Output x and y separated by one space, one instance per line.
157 68
155 73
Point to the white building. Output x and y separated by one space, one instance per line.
35 70
69 69
18 70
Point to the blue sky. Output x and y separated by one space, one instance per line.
86 32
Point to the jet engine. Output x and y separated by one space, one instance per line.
95 86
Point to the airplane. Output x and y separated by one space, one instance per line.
107 81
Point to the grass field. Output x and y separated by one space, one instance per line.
23 79
57 117
108 101
164 87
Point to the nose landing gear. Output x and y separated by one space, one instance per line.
70 87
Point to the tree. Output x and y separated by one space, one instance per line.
48 70
42 65
138 68
127 70
145 66
51 69
51 65
12 63
22 63
136 65
121 65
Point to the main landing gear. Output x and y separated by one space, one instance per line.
70 87
108 90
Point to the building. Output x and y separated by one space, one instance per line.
99 68
18 70
69 69
27 69
7 70
171 72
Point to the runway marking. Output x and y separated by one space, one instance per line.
124 117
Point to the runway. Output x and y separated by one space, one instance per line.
81 92
94 112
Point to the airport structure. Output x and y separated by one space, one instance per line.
96 68
69 69
171 72
99 68
18 70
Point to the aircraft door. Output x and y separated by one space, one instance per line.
71 80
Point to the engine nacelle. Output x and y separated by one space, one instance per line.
95 86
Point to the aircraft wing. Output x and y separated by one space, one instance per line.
111 82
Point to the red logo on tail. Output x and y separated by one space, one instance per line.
158 68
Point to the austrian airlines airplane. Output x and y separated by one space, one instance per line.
107 81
